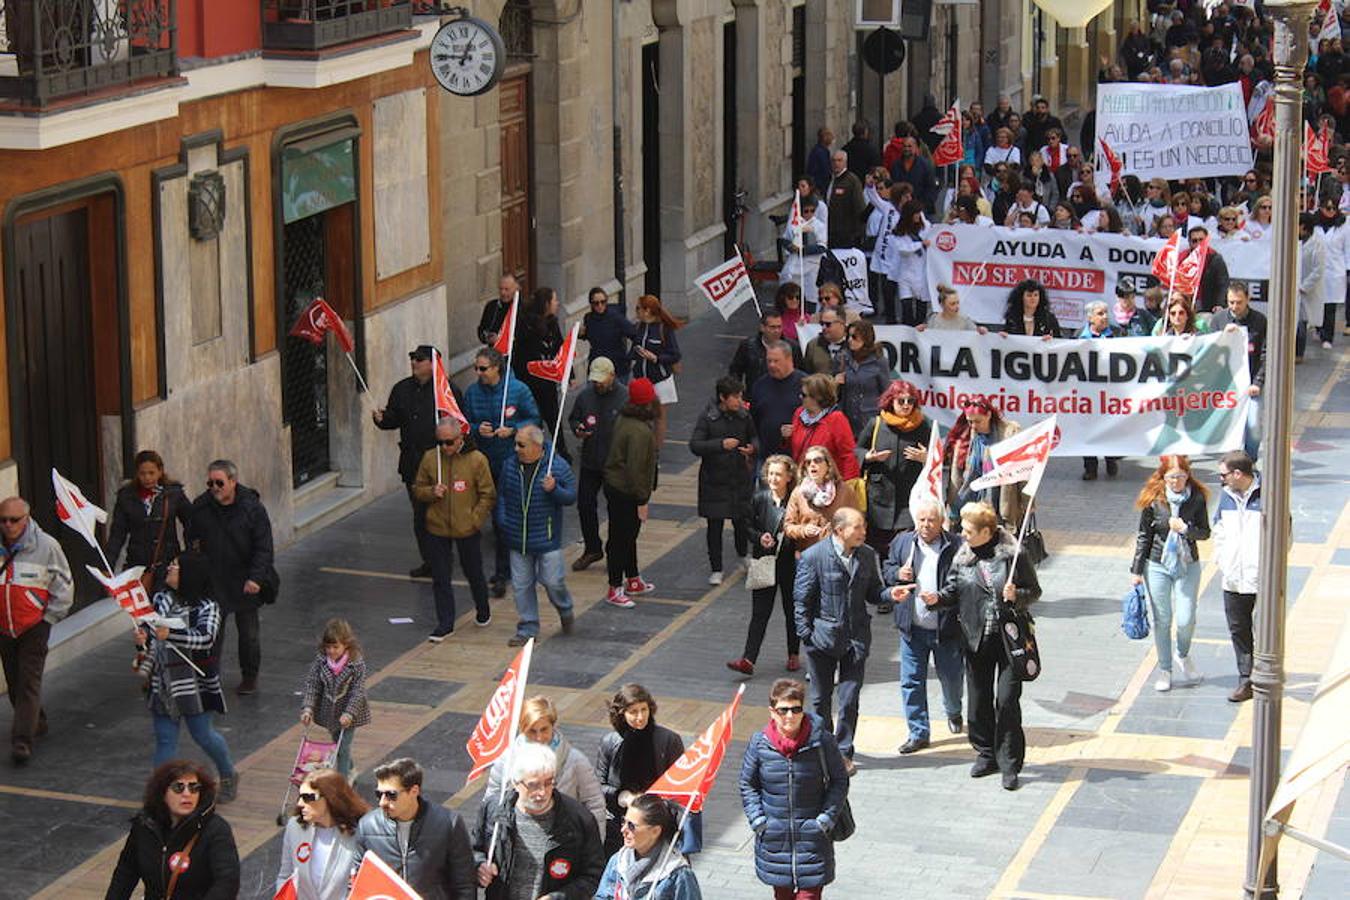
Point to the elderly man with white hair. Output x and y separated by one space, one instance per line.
920 559
531 494
546 843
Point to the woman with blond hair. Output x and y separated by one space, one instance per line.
820 492
575 775
1173 516
768 515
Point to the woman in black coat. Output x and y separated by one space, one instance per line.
145 517
892 448
178 826
539 337
982 577
1028 312
632 756
724 439
768 508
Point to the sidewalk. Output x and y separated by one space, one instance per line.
1127 793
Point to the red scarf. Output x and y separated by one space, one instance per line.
784 744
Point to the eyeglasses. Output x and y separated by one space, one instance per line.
599 302
1175 476
309 796
391 796
481 368
12 520
537 787
904 401
192 787
1227 218
814 459
787 710
449 442
215 482
1223 475
630 826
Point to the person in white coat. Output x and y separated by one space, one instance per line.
1236 532
575 775
910 273
1335 234
880 235
1312 255
318 848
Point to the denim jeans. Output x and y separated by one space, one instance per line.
343 764
915 648
542 568
1168 595
199 726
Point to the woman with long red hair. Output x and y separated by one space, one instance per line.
656 356
1173 516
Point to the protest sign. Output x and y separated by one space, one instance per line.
984 264
1175 131
1117 397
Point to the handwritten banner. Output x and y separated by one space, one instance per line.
1175 131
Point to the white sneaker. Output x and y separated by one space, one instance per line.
1189 673
715 578
1326 345
1164 682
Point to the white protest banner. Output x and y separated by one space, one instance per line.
1174 130
1116 397
727 287
984 263
855 280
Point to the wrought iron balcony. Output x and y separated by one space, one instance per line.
55 49
319 24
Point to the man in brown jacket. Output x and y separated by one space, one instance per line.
459 494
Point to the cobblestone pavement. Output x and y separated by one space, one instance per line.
1126 793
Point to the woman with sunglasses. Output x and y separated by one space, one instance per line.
1179 318
965 457
813 502
646 867
793 787
1173 516
820 421
893 446
318 848
178 847
607 331
1258 223
864 373
182 670
1335 234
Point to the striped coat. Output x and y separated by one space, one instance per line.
176 690
328 696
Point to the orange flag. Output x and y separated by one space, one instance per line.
506 338
690 777
497 726
445 397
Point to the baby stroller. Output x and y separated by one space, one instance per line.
312 756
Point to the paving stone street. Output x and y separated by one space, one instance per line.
1127 793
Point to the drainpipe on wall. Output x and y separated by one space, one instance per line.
620 264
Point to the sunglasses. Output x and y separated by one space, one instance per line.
904 401
215 482
308 796
192 787
815 459
12 520
481 368
391 796
630 826
448 442
788 710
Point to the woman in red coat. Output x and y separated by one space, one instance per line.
819 421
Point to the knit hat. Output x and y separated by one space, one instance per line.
641 392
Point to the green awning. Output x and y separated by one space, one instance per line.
318 174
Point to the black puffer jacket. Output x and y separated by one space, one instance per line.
213 872
971 595
890 480
1153 529
140 531
574 862
237 539
724 476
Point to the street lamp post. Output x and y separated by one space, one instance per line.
1292 20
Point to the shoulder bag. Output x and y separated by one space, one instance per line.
270 586
844 824
179 863
1033 543
1018 631
859 485
763 570
148 576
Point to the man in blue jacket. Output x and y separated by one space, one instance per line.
836 578
530 501
494 423
921 558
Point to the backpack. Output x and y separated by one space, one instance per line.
1134 614
831 269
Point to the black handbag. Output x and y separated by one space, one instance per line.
844 823
1018 630
1033 543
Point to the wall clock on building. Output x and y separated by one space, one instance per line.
467 56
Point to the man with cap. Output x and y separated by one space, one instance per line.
1133 319
592 421
412 410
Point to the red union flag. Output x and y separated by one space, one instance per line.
318 319
445 397
929 483
1316 149
1192 267
560 366
950 149
497 727
375 880
795 215
1264 126
1021 457
77 512
1165 263
127 590
690 777
287 890
1113 162
727 287
506 338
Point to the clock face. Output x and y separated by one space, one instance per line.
467 56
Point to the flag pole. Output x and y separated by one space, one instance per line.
679 830
435 409
510 348
562 392
1021 533
511 739
365 388
754 296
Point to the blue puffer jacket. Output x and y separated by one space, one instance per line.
790 810
483 403
529 516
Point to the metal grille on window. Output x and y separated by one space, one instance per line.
798 37
304 366
517 29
